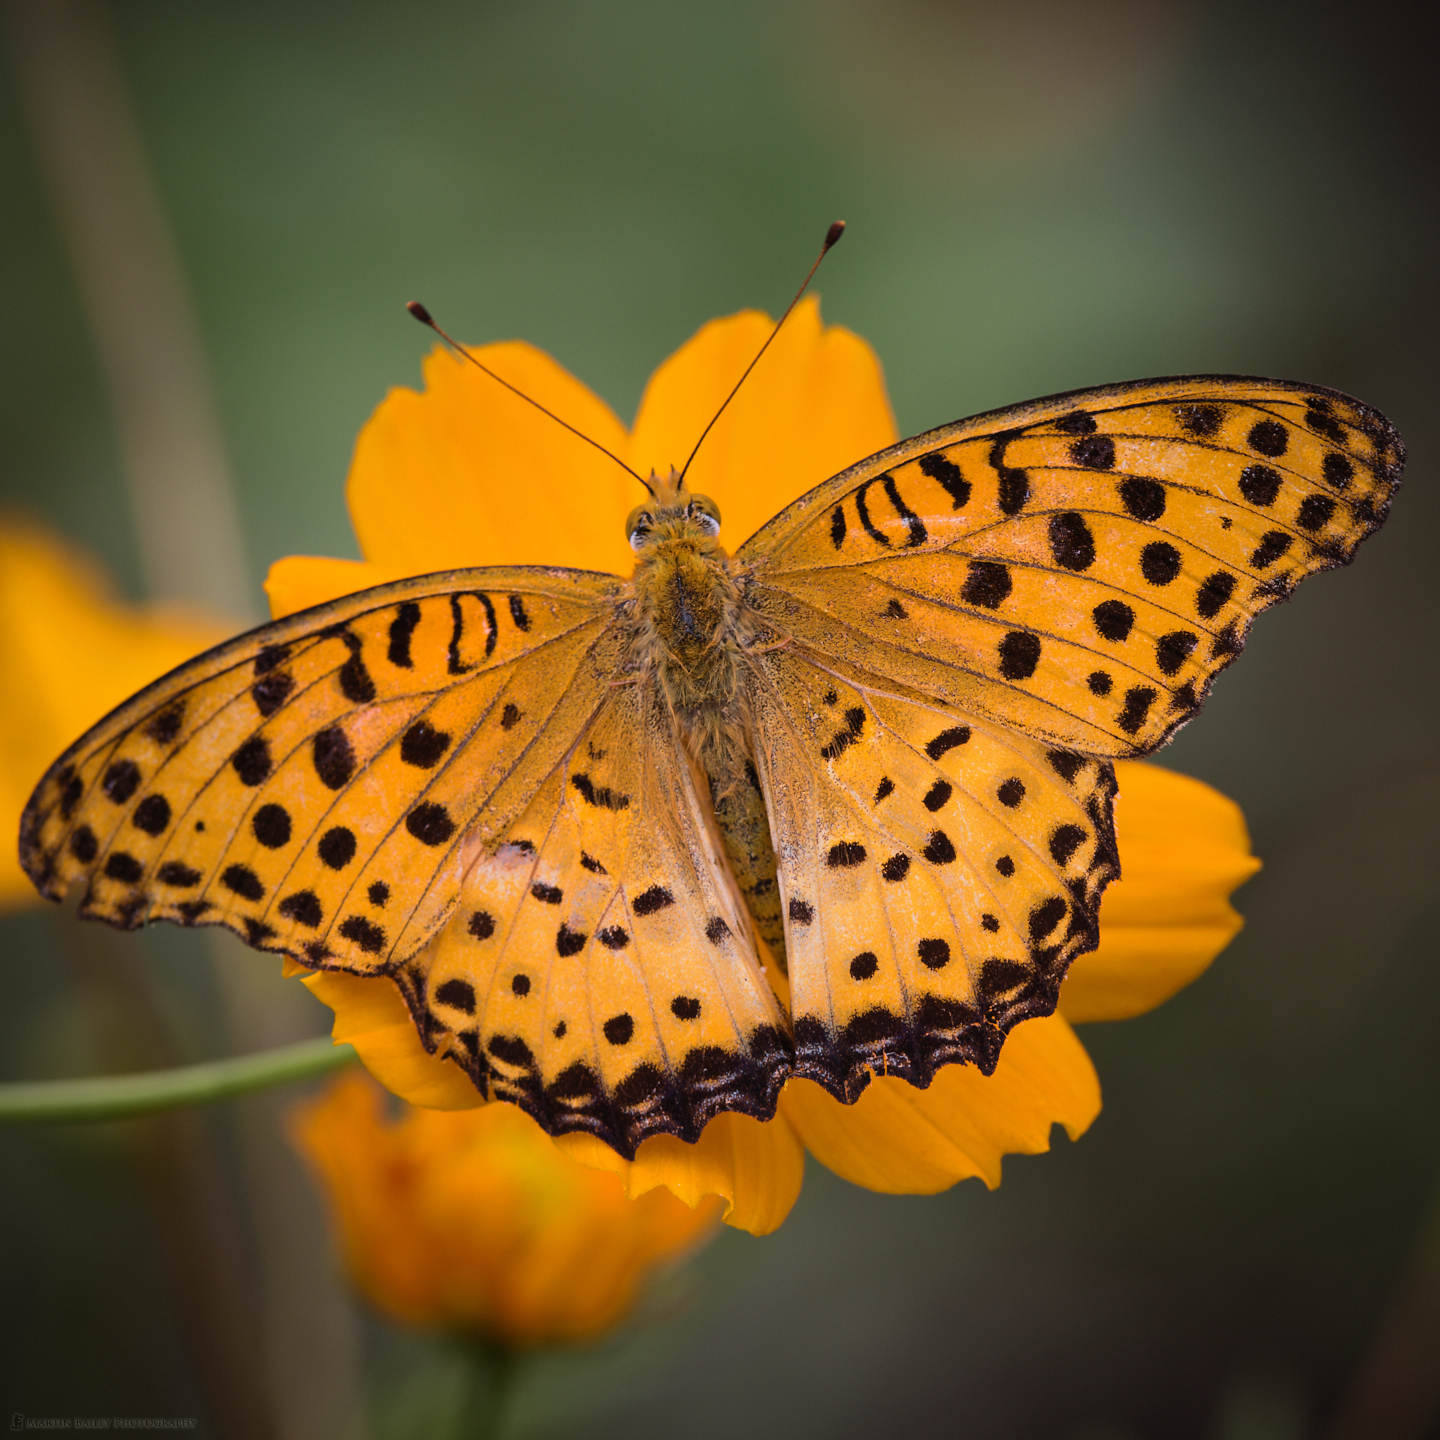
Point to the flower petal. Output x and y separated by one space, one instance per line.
371 1015
815 404
1183 849
901 1140
69 653
299 581
755 1166
475 1221
467 473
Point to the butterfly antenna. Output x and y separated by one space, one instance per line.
831 236
425 318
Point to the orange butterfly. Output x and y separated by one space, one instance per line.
558 807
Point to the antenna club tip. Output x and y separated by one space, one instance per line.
419 312
834 233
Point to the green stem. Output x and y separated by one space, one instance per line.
117 1097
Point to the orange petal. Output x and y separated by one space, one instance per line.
474 1221
755 1166
299 581
469 474
815 404
69 653
1183 849
901 1140
371 1015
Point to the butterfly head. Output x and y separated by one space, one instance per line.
671 513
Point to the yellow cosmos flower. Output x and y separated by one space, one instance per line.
466 474
472 1221
69 652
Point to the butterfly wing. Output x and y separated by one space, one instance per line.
600 970
1079 568
319 785
938 871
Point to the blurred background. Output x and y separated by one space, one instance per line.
1042 194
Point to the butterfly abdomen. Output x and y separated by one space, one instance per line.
692 633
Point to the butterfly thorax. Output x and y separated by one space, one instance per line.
692 633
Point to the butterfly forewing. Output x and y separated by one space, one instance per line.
599 969
939 872
313 785
1080 568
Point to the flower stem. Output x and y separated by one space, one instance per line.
117 1097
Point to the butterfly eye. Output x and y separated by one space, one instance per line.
638 529
703 512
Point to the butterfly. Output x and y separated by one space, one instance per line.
560 808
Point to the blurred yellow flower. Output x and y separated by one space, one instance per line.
467 474
69 652
473 1221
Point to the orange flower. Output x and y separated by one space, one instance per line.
69 652
473 1221
467 474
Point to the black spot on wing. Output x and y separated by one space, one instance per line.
947 474
837 526
1099 682
1159 562
1201 420
569 942
1259 484
124 867
482 925
1338 470
1138 700
1011 792
172 872
1019 655
864 965
364 933
939 848
716 929
657 897
166 725
241 880
422 745
845 855
1273 544
863 511
1077 422
987 584
590 863
896 868
945 741
913 522
121 781
271 691
152 814
1213 594
402 627
843 739
1269 437
1315 512
458 994
303 907
355 682
1013 488
271 826
1142 498
333 757
801 911
337 847
884 788
518 614
1113 619
1071 542
1173 650
937 795
600 796
509 716
252 761
1094 452
430 824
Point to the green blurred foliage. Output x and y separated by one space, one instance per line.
1041 196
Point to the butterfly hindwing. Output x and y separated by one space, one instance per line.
319 785
939 872
599 970
1080 568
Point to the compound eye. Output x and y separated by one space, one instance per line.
702 517
639 529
